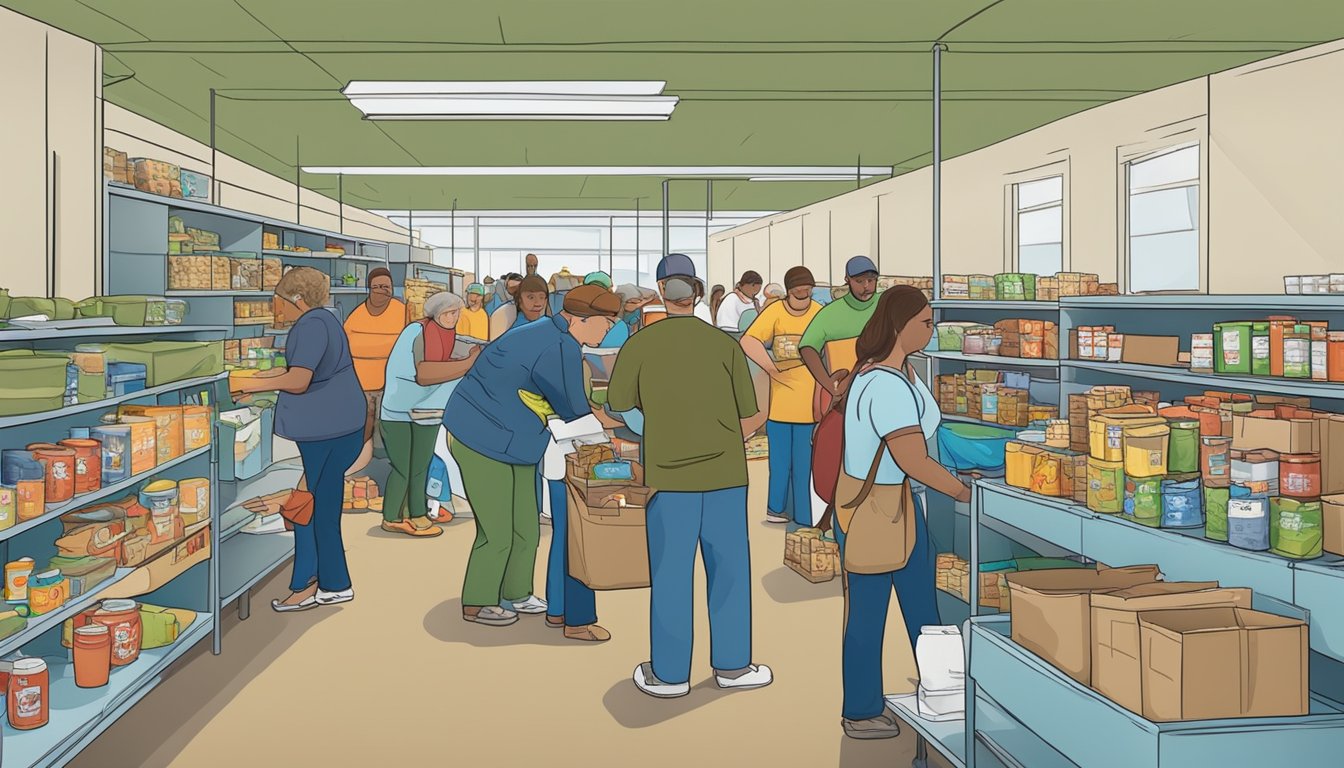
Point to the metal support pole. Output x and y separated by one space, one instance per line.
216 538
667 232
298 188
709 210
611 246
638 225
476 244
938 173
214 169
340 201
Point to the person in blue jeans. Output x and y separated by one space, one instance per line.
321 408
691 383
889 412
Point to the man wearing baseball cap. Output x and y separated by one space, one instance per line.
474 321
834 331
691 382
788 431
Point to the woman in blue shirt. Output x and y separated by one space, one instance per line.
498 441
322 409
889 416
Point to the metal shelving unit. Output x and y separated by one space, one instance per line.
995 360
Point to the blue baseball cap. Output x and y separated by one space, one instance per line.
860 265
675 264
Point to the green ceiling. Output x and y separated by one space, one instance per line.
762 82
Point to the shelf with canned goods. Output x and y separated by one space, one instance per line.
78 716
997 360
201 382
1183 376
54 511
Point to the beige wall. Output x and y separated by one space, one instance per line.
1271 153
241 186
50 203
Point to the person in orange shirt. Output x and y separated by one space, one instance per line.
373 329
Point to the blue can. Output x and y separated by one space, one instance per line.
1182 503
1248 519
18 464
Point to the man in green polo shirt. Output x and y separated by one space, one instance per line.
835 330
691 382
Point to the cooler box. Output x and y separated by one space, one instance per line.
31 382
169 361
135 310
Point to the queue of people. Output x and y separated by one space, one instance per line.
507 370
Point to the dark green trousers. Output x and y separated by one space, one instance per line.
410 447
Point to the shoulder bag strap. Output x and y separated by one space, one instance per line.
871 479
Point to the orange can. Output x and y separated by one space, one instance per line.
168 428
144 443
1334 355
30 499
196 421
59 463
88 464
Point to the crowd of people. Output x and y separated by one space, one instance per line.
495 384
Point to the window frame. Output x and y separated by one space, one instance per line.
1013 257
1126 192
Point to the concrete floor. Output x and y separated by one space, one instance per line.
397 675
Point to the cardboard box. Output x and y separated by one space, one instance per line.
1332 523
1331 427
1052 611
1151 350
1210 663
1117 672
1251 431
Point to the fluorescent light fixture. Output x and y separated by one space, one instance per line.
514 100
819 177
755 173
530 87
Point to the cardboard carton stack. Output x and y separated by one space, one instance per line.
361 493
417 293
953 576
116 166
924 284
810 556
157 177
199 273
1168 651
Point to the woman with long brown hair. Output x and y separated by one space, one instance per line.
889 416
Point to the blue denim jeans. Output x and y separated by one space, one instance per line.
868 597
790 470
716 523
319 550
566 596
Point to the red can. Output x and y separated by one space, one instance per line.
88 464
1300 475
59 462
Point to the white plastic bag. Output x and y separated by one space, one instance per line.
941 658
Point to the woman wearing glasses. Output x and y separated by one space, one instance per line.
321 408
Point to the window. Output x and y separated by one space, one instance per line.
1039 226
1163 218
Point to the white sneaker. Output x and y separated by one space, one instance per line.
324 597
650 684
758 677
530 605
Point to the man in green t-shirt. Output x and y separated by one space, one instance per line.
836 328
691 382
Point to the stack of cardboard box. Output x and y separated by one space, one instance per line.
810 556
362 493
924 284
116 166
157 177
417 293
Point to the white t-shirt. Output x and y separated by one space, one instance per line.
730 311
882 401
702 312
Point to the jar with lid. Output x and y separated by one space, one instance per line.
92 647
122 619
28 693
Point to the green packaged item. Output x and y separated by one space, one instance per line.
1215 513
84 573
1295 528
135 310
53 309
952 336
159 627
1143 500
1259 349
4 302
1183 447
176 226
32 382
169 361
12 625
1015 286
1232 347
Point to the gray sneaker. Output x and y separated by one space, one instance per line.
776 517
492 616
884 726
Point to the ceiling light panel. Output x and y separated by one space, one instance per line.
534 87
511 100
808 173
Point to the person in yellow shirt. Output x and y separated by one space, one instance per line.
373 329
474 321
789 427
